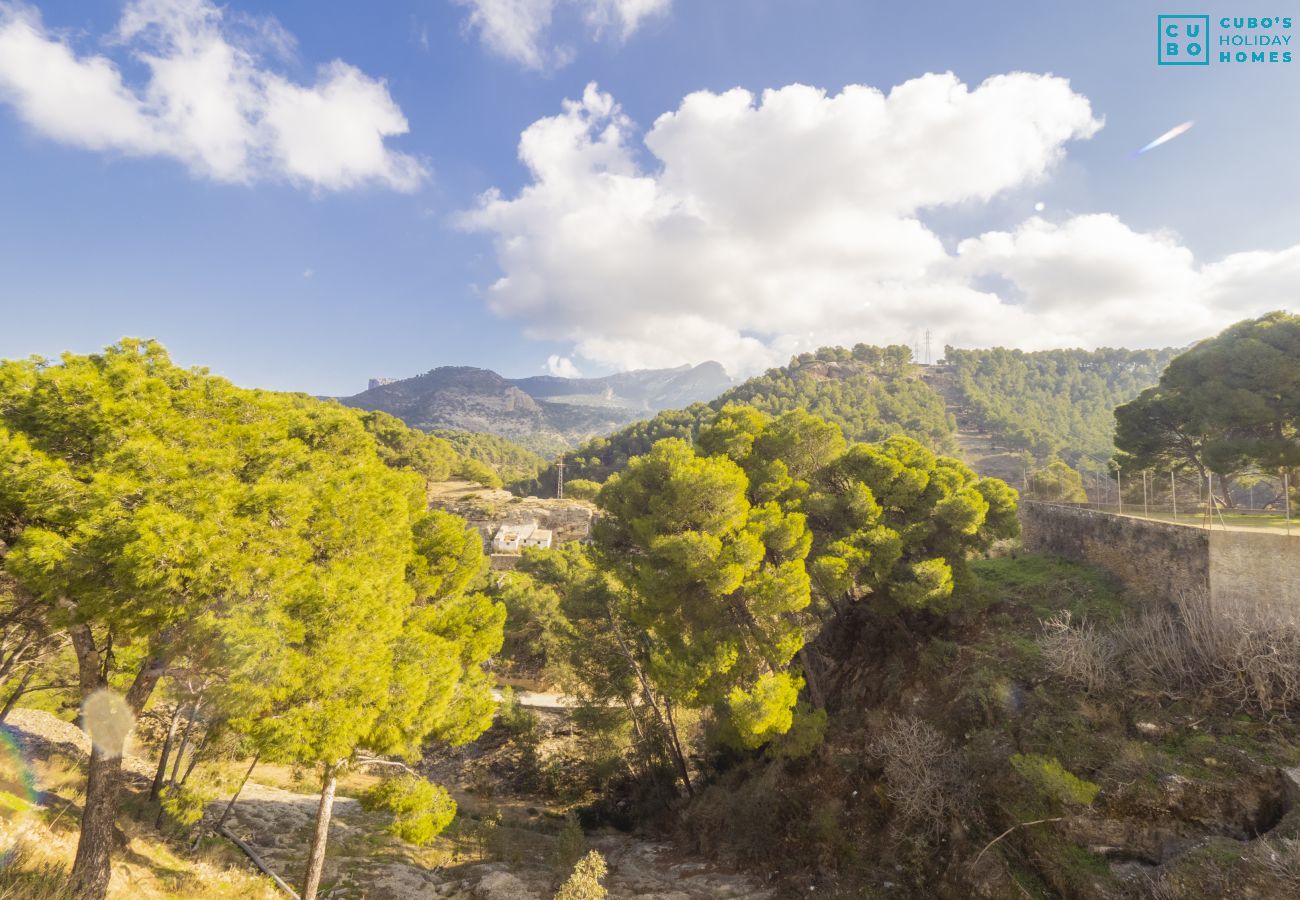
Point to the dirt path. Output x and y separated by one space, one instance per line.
538 699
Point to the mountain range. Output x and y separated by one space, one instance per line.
544 413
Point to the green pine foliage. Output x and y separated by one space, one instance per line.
421 810
1227 405
710 582
600 457
871 393
713 563
536 627
570 843
581 489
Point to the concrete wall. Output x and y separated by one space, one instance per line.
1252 568
1154 560
1163 562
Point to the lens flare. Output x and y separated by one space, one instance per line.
107 719
1167 137
17 783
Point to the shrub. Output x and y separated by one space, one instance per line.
587 880
921 774
184 806
1079 652
570 844
1053 780
421 809
1244 655
473 470
525 729
517 719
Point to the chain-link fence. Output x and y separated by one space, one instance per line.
1253 501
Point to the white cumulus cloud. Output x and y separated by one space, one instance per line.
210 99
561 366
745 229
520 29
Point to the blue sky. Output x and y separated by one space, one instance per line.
736 231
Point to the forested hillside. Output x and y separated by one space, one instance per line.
509 460
1052 402
1049 404
869 392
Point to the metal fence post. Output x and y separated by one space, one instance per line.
1286 495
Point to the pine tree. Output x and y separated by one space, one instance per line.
167 519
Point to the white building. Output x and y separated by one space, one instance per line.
540 539
514 537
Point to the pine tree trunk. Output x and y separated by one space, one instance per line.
12 659
195 756
811 677
92 868
155 789
185 743
225 814
665 722
176 760
316 858
678 756
18 692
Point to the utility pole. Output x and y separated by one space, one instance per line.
1119 489
927 347
1286 496
1146 512
1209 501
559 478
1173 493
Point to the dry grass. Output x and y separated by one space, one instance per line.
228 774
1247 656
39 845
1280 858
